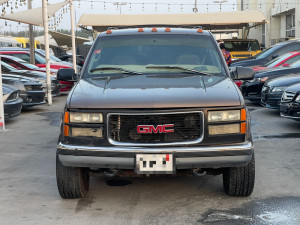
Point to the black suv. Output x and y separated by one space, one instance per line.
155 101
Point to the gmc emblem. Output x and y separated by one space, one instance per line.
149 129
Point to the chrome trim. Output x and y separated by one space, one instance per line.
159 144
241 146
290 117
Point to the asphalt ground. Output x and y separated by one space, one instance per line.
28 191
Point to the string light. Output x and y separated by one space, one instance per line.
129 6
155 7
104 6
143 8
181 9
168 7
79 5
92 5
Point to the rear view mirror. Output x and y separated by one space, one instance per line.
242 73
67 74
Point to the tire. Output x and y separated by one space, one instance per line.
72 182
239 181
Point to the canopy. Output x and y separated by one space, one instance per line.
3 1
34 16
209 21
66 39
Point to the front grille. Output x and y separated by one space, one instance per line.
265 89
34 87
188 127
288 96
13 96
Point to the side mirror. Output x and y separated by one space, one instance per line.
274 56
242 73
67 74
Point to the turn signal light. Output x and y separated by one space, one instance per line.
243 128
66 130
243 115
67 117
200 31
154 30
168 30
108 32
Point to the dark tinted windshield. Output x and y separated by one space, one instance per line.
242 46
136 52
6 68
266 53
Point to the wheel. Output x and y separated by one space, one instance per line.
72 182
239 181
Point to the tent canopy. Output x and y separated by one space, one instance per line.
34 16
66 39
209 21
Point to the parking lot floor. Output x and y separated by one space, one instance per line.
28 191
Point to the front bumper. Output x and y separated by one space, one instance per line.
33 98
252 91
12 109
290 110
186 157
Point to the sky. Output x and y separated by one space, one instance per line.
131 7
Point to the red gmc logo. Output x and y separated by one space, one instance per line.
149 129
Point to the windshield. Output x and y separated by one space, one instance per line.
141 53
24 63
280 59
295 64
237 46
267 52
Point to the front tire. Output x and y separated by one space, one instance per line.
239 181
72 182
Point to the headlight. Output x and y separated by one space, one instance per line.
43 81
298 99
224 129
220 116
278 89
76 117
259 79
5 97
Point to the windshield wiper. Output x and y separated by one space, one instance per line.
115 68
178 68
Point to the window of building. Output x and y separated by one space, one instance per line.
290 25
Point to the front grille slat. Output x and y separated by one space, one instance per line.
188 127
288 96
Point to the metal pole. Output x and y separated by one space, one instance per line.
2 122
73 35
46 38
31 37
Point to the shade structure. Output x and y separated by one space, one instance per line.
3 1
210 21
34 16
66 39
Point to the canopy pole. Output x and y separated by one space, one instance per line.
73 35
31 37
2 122
46 39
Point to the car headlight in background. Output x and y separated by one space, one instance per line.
278 89
298 98
259 79
221 116
76 117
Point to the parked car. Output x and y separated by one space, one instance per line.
269 54
290 102
252 89
242 48
272 91
21 64
11 101
39 76
155 101
31 91
284 60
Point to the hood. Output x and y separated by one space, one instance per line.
28 73
284 81
6 89
155 91
19 78
44 70
246 62
294 88
277 71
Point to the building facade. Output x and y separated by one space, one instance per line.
283 20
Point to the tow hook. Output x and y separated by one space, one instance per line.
199 172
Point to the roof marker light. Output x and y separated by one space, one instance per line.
108 32
200 31
154 30
141 30
168 30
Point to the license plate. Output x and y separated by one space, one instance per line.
154 164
